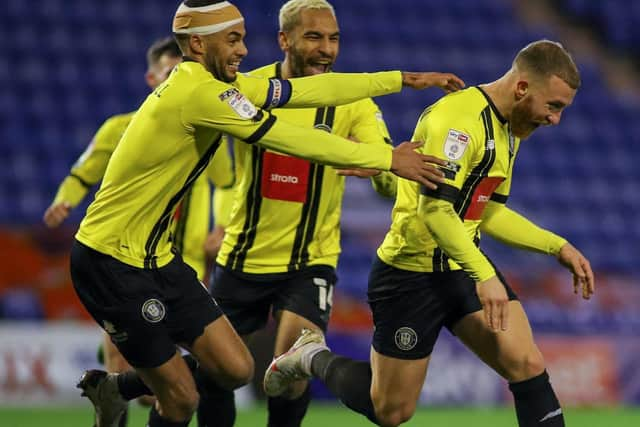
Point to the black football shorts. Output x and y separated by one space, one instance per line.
247 299
146 312
409 308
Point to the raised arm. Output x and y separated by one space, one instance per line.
226 109
337 88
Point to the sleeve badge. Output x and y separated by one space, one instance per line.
456 144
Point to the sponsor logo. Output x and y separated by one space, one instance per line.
115 335
277 93
481 197
455 144
450 169
153 310
322 126
228 94
452 166
406 338
551 414
284 178
108 327
491 145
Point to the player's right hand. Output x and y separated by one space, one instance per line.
495 303
422 168
56 214
448 82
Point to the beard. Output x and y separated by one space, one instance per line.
302 66
522 124
216 69
297 64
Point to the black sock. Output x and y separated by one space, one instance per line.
348 379
288 412
124 418
217 407
156 420
131 386
536 403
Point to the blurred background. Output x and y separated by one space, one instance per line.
70 64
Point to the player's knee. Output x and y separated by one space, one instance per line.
534 364
529 365
392 412
241 373
188 406
180 403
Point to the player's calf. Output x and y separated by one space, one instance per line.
536 403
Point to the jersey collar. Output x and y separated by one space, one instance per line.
492 105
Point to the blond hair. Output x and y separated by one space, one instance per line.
290 11
544 58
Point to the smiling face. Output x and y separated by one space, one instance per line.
540 103
224 51
312 45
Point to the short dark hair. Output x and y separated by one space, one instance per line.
165 46
183 41
545 58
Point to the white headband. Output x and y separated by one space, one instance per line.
205 19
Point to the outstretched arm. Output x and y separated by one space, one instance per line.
338 88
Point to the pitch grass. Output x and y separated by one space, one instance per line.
320 415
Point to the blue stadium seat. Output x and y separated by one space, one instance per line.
90 65
21 304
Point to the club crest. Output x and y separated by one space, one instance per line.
153 310
406 338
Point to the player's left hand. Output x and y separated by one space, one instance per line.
448 82
213 243
579 265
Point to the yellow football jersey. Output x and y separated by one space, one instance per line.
173 135
287 215
465 129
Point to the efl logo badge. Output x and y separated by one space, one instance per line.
406 338
455 144
153 310
242 106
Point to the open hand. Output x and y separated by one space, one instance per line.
448 82
583 278
495 303
422 168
